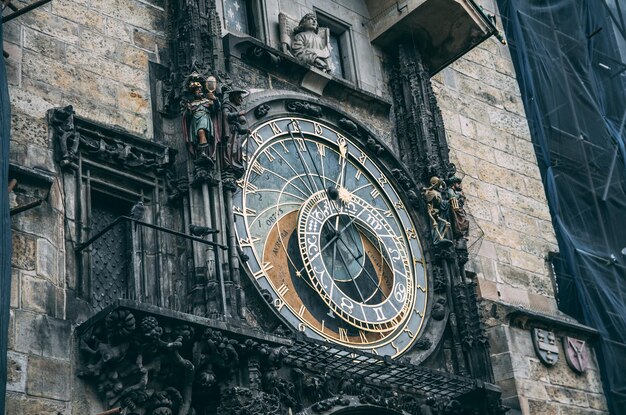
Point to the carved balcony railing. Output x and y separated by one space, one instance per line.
136 260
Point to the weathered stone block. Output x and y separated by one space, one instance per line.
488 269
512 295
42 335
597 401
132 56
40 157
47 260
521 342
40 382
20 404
532 389
488 289
500 176
98 43
562 375
39 296
538 371
118 29
529 262
524 204
575 410
59 27
16 372
24 251
133 100
34 130
502 366
15 288
541 407
74 12
567 396
43 44
543 302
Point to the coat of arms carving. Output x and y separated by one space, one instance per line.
545 346
576 354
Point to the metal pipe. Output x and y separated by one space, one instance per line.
148 225
23 10
113 411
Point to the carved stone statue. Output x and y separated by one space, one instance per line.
201 105
460 224
438 211
307 42
68 139
234 131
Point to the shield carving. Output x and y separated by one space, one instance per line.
576 354
545 346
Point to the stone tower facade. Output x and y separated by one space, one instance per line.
134 283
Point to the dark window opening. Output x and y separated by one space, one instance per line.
110 254
244 16
340 43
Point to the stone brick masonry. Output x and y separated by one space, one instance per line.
93 55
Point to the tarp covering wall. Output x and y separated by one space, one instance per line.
5 225
569 58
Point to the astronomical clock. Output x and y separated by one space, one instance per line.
331 236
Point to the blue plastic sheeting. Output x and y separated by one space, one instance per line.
569 58
5 225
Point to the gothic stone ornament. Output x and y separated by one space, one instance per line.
545 346
576 354
307 42
65 136
329 237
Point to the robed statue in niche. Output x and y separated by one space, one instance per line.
307 42
234 130
199 118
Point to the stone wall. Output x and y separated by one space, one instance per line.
491 145
93 55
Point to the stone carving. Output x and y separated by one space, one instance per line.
200 109
439 309
423 344
74 136
66 137
234 131
576 354
261 111
349 126
307 42
153 368
438 212
304 107
545 346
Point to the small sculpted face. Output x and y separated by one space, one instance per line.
310 24
236 99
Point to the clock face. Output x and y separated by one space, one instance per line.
328 236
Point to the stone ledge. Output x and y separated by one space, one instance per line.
526 319
275 62
230 325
